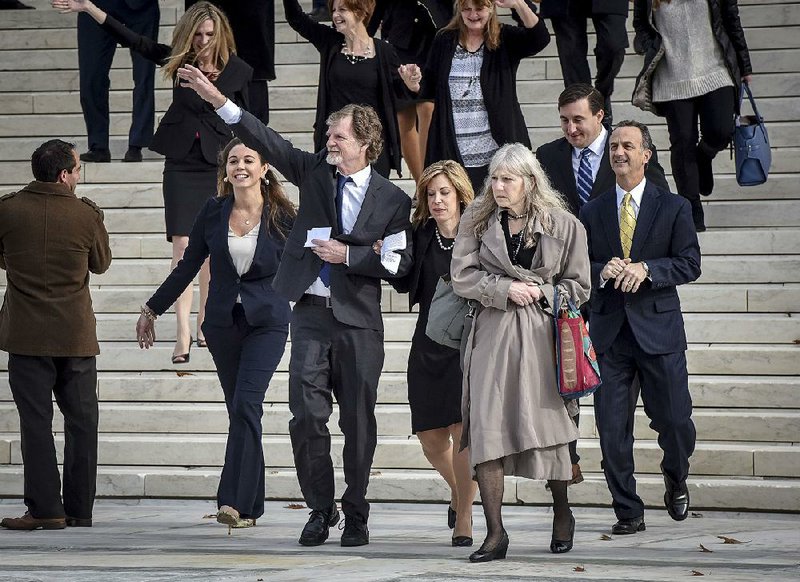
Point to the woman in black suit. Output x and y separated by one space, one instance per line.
190 134
243 230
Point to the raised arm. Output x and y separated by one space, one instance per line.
317 34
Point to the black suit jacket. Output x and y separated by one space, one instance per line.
582 8
422 238
556 160
666 240
188 115
355 289
209 237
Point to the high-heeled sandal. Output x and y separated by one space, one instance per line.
201 342
451 517
183 358
496 553
563 546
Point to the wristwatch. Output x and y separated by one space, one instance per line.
646 271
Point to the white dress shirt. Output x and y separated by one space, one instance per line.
598 149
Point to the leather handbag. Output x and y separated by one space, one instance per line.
576 361
751 144
447 316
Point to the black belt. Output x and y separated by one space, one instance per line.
317 300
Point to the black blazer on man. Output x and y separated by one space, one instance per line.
355 289
556 159
666 240
209 237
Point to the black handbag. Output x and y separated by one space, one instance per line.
751 144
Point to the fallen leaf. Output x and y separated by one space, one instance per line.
705 550
606 538
579 569
696 573
295 506
727 540
694 514
182 374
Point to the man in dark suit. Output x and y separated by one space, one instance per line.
578 163
50 241
95 54
336 327
569 19
642 245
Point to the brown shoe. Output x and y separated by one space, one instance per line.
29 523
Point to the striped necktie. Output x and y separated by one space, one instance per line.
627 225
584 181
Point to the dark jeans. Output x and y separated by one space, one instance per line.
714 111
573 46
667 402
34 381
331 359
246 358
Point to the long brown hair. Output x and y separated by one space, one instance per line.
491 34
457 176
280 210
222 45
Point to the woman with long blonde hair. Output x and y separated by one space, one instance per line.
190 134
517 245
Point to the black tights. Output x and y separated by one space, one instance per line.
490 482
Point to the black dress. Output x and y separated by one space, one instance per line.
434 371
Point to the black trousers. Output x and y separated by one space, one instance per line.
477 177
331 359
246 357
34 380
667 402
573 46
95 53
715 113
258 96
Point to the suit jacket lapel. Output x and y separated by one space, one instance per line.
644 221
370 201
610 220
224 221
564 166
605 175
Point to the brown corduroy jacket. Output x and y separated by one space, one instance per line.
50 241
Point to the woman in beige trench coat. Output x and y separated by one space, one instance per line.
516 245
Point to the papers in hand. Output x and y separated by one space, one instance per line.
319 233
389 258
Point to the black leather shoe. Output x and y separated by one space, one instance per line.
451 517
628 526
97 156
79 521
676 498
485 554
462 541
134 154
356 532
316 530
563 546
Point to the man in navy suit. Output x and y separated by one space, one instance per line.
642 245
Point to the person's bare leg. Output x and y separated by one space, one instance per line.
205 277
466 487
438 450
183 306
409 140
424 115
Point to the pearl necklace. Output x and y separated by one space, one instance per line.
352 57
439 240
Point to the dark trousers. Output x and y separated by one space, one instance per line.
573 46
477 177
258 94
714 111
34 380
331 359
95 53
665 394
246 358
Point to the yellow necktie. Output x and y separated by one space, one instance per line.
627 225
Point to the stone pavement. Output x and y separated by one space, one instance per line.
166 541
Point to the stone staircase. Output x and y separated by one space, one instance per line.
163 427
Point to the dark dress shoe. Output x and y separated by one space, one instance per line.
676 498
451 517
316 530
29 523
355 532
485 554
628 526
97 156
563 546
79 521
134 154
462 541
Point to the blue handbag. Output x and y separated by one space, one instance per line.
751 145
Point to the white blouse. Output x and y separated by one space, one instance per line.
242 250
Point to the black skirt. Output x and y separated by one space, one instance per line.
188 184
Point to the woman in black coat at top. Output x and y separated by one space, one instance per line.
190 134
353 68
471 75
696 60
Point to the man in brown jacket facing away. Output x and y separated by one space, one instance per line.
49 242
